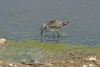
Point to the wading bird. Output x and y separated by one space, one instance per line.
53 26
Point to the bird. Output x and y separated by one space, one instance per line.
53 26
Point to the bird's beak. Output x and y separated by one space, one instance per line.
41 32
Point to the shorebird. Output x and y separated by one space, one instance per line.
53 26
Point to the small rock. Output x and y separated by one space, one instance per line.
1 61
84 65
2 40
91 65
11 64
49 64
15 65
91 59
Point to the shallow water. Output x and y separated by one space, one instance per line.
25 24
22 20
22 54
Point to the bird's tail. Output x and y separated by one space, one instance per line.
65 23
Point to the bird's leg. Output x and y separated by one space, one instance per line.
58 34
41 32
53 35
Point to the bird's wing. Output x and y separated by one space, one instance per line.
55 24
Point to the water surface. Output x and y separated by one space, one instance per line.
25 24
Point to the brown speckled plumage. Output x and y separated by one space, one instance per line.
53 25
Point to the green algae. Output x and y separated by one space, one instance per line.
65 16
13 12
23 19
52 46
59 3
36 44
1 36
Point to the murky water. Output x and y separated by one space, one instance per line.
22 54
22 20
26 23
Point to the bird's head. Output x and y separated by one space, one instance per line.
42 28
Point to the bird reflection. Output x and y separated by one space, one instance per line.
51 40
